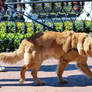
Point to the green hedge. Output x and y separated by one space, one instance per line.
68 26
11 40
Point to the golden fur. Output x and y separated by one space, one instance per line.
66 46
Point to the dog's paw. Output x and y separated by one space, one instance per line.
21 81
63 81
41 84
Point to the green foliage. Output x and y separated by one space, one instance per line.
88 26
12 39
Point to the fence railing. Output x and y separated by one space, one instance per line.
26 18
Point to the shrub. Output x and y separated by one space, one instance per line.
12 39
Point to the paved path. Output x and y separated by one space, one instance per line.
77 82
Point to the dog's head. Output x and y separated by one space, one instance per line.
88 46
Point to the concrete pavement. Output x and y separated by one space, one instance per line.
77 81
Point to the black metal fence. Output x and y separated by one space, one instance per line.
21 19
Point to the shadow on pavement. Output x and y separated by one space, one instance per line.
73 81
45 68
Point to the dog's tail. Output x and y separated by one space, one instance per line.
11 57
15 56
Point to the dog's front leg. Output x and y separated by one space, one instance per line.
82 64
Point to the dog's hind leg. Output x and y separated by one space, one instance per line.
60 69
28 64
35 70
82 64
22 73
34 74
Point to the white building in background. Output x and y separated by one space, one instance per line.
28 12
86 12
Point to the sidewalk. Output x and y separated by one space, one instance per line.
77 82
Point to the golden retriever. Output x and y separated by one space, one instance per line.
66 46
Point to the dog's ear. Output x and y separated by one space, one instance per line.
67 44
80 43
88 47
80 49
